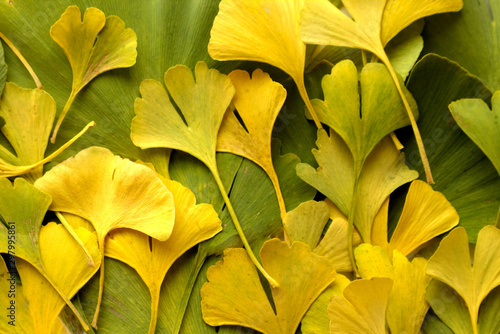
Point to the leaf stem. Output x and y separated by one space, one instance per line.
101 283
22 59
76 237
303 93
201 255
237 225
418 137
350 222
363 57
62 115
155 301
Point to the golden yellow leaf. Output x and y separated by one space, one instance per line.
266 31
111 193
451 264
93 46
28 115
57 247
16 318
258 100
234 294
407 306
426 214
193 224
361 309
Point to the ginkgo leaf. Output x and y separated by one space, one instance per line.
111 193
374 24
407 305
451 264
193 224
28 116
234 294
364 116
426 214
481 124
57 247
16 318
306 224
265 31
361 309
202 101
93 45
316 320
22 209
252 138
383 172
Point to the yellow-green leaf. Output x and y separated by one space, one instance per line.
111 193
234 294
481 124
28 115
407 305
266 31
202 100
57 247
383 172
364 116
361 309
93 45
451 264
257 100
426 214
193 224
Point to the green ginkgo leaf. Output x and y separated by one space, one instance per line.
481 124
383 172
451 264
362 117
93 45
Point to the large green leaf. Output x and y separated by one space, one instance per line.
475 29
168 32
461 170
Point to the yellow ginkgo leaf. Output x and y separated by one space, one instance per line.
399 14
252 139
110 192
202 101
316 320
374 23
266 31
57 247
407 305
306 224
93 46
16 318
234 294
426 214
361 309
28 115
22 209
193 224
451 264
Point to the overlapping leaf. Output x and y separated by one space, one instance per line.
57 246
383 172
93 45
258 101
152 259
111 193
481 124
407 305
28 116
451 264
361 309
264 31
235 296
